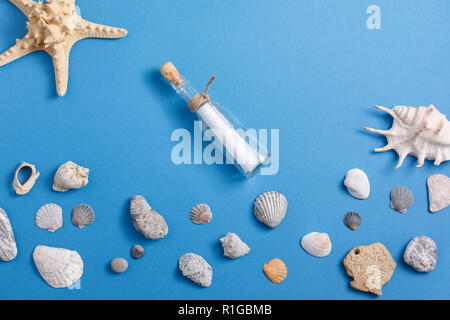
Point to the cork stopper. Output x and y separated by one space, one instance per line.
171 73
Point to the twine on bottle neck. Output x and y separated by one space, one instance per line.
201 98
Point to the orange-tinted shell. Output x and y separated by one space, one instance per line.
275 270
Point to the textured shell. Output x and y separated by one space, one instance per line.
22 189
59 267
70 176
137 251
275 270
438 192
352 220
401 199
49 217
201 214
270 208
119 265
146 220
195 268
8 247
233 246
357 183
422 132
421 254
83 215
316 244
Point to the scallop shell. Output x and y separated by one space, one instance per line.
438 192
70 176
201 214
357 183
275 270
422 132
401 199
83 215
49 217
352 220
233 246
316 244
59 267
22 189
8 247
270 208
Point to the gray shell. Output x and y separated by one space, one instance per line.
195 268
49 217
352 220
270 208
146 220
137 251
8 247
233 246
421 254
83 215
401 199
201 214
119 265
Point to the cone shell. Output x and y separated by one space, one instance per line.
270 208
201 214
352 220
438 192
401 199
83 215
49 217
316 244
357 183
70 176
275 270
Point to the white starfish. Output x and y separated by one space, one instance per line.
55 27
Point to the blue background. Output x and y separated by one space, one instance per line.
309 68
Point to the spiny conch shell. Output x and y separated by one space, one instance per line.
357 183
49 217
70 176
275 270
401 199
316 244
146 220
438 192
423 132
270 208
83 215
59 267
8 247
352 220
201 214
195 268
233 246
22 189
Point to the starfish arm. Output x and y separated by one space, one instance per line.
93 30
61 65
17 51
26 6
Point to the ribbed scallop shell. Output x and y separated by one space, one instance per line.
49 217
401 199
83 215
270 208
201 214
275 270
352 220
316 244
357 183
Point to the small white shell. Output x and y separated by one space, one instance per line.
22 189
70 176
201 214
83 215
270 208
357 183
233 246
316 244
49 217
438 192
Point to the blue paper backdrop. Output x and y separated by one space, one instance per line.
311 69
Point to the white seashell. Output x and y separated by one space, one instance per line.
438 192
233 246
59 267
422 132
146 220
270 208
357 183
8 247
195 268
401 199
22 189
83 215
201 214
70 176
49 217
316 244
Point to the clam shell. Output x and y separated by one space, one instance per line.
8 247
438 192
70 176
201 214
270 208
83 215
195 268
233 246
275 270
316 244
49 217
357 183
401 199
352 220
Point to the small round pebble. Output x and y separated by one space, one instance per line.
137 251
421 254
119 265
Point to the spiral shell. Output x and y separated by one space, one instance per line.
270 208
201 214
70 176
83 215
401 199
316 244
352 220
275 270
49 217
233 246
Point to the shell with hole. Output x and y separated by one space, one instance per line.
49 217
70 176
22 189
438 192
401 199
270 208
316 244
275 270
83 215
201 214
233 246
357 183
